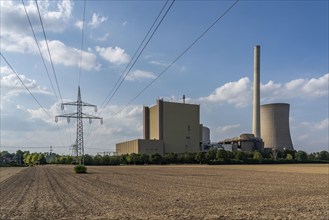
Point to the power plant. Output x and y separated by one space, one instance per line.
175 127
275 126
270 122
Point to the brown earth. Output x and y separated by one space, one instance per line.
168 192
6 172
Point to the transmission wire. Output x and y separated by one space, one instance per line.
36 41
176 59
35 99
82 36
139 54
51 60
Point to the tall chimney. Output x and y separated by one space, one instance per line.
256 101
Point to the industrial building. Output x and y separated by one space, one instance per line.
270 123
245 142
275 130
168 128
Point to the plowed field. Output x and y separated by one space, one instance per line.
168 192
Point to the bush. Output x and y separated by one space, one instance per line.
80 169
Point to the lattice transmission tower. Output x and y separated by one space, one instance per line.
79 115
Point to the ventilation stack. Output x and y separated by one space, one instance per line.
256 99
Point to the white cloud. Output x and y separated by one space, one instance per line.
69 56
159 63
55 16
124 23
322 125
228 127
12 86
113 55
104 37
140 74
237 93
79 24
18 43
97 20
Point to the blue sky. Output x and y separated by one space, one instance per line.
217 72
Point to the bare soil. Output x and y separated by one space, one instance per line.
168 192
6 172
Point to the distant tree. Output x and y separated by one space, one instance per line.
145 158
123 159
98 160
289 157
41 158
114 160
301 155
222 155
211 155
240 155
323 155
200 157
288 151
27 159
133 158
311 156
34 159
106 160
88 159
257 156
156 158
188 158
19 157
171 157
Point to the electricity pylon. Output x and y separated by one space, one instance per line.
79 115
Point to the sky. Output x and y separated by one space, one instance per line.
216 72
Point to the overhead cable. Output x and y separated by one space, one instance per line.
138 53
177 58
82 36
51 60
35 99
36 41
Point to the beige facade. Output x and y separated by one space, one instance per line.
140 146
177 124
174 125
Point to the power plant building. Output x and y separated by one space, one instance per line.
275 130
168 127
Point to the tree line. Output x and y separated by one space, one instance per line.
213 156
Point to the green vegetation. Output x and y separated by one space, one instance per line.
212 156
80 169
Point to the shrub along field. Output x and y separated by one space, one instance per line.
298 191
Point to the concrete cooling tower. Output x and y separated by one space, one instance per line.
275 130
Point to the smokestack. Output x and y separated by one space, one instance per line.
256 101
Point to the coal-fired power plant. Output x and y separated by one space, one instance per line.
275 126
271 121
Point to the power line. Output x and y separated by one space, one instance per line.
125 72
132 62
177 58
51 60
36 41
35 99
82 36
44 63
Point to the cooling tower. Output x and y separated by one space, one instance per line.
256 101
275 126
